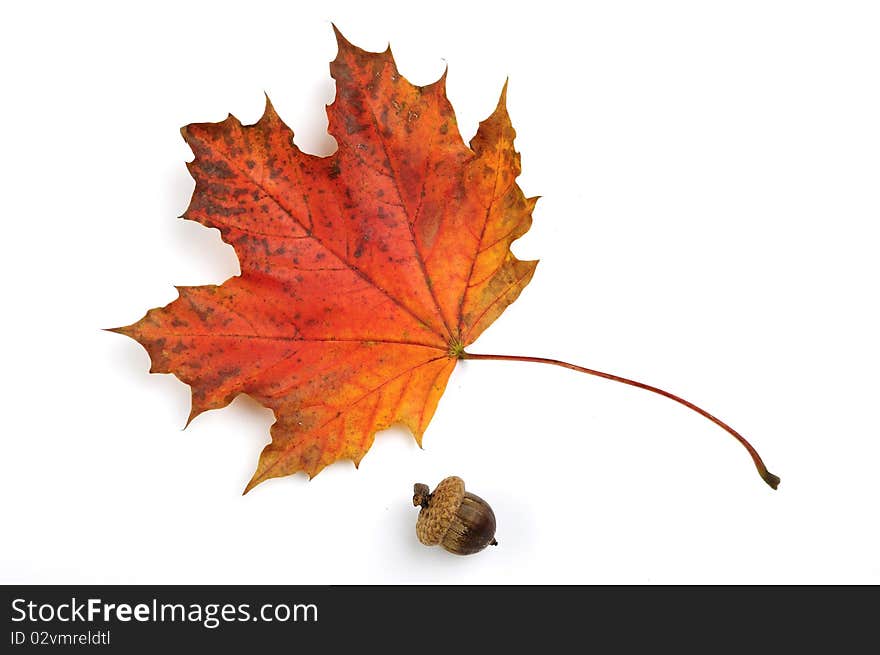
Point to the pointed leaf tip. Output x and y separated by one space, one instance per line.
193 413
341 41
501 107
269 113
438 86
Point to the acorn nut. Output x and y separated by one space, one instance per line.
461 522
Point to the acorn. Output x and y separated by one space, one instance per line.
461 522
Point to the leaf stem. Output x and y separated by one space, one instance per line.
766 475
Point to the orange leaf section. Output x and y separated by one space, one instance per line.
363 274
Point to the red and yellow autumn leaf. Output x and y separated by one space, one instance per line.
363 274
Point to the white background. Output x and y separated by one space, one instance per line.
709 224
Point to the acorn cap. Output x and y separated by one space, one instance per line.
442 506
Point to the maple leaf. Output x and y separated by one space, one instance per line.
364 274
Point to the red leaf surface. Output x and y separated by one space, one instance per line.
363 274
